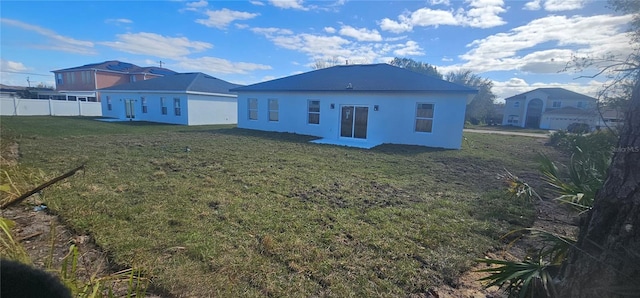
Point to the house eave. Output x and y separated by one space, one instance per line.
359 91
168 91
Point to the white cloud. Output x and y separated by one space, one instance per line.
12 66
118 21
562 5
594 36
55 41
258 3
394 27
361 34
157 45
289 4
410 48
330 30
271 31
318 47
213 65
533 5
222 18
198 4
480 14
323 47
440 2
554 5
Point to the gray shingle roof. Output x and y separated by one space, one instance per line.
181 82
120 67
554 93
359 77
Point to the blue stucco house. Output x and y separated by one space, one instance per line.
360 106
181 98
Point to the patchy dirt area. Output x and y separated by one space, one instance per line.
550 217
46 240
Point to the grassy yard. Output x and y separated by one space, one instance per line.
251 214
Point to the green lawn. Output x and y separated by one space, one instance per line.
248 213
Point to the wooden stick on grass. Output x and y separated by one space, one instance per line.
41 187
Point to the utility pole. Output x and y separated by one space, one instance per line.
28 82
160 63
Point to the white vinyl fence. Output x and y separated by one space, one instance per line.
11 106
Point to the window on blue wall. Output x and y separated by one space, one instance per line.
314 112
516 104
273 109
424 117
59 79
163 105
143 100
253 108
176 106
109 106
556 104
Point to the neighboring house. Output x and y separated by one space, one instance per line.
182 98
82 82
360 106
550 108
610 117
10 91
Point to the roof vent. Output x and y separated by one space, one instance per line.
349 86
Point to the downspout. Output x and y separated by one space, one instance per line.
95 85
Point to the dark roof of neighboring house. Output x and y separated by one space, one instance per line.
121 67
569 111
7 88
554 93
359 77
183 82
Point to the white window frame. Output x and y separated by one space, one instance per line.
176 106
310 112
252 109
109 104
143 102
273 107
513 119
421 118
163 105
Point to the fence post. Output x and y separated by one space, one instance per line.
50 107
15 106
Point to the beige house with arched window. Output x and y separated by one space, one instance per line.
550 108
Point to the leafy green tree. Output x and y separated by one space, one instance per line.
481 109
417 66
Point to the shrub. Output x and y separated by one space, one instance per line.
579 128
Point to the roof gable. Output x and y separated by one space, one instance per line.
359 77
554 93
183 82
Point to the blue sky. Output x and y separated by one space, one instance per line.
519 45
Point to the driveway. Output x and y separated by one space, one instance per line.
511 133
